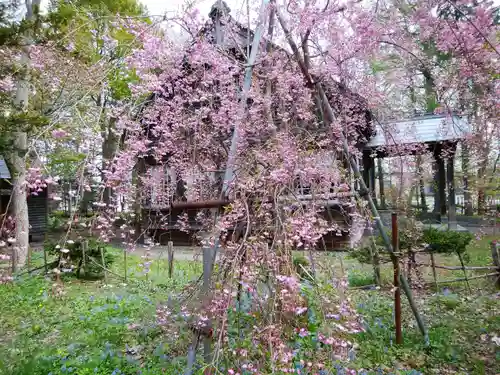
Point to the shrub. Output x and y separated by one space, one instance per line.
70 257
447 242
301 264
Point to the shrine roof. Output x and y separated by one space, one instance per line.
421 129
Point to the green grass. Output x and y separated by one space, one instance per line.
461 325
461 330
109 328
87 330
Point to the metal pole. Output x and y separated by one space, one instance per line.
397 289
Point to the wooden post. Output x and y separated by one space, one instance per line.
373 189
441 186
84 255
397 289
440 193
30 251
101 248
208 253
464 270
495 254
375 262
170 255
125 264
434 273
45 259
381 183
452 207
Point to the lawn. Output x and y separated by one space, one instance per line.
109 328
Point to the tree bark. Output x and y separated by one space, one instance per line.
19 199
481 189
16 159
137 175
109 148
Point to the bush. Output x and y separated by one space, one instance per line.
301 264
447 242
360 279
72 260
438 241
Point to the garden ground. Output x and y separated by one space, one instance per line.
95 327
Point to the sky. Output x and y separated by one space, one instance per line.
159 7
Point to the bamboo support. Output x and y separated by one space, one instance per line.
464 271
470 278
397 289
210 253
434 273
457 268
354 165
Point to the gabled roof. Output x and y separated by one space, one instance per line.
421 129
4 171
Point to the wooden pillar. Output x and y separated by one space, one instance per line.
372 181
381 183
452 208
442 186
369 174
366 168
440 176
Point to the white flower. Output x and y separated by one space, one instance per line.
65 251
71 242
58 246
11 240
2 244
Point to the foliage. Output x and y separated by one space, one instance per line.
432 239
461 331
359 278
70 256
302 267
448 241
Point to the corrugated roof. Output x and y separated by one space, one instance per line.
4 171
419 130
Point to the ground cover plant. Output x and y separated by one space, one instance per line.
95 327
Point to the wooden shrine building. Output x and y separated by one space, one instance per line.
161 220
428 133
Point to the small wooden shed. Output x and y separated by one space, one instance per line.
37 204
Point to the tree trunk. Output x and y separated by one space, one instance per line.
16 158
481 189
468 209
109 148
137 174
19 199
